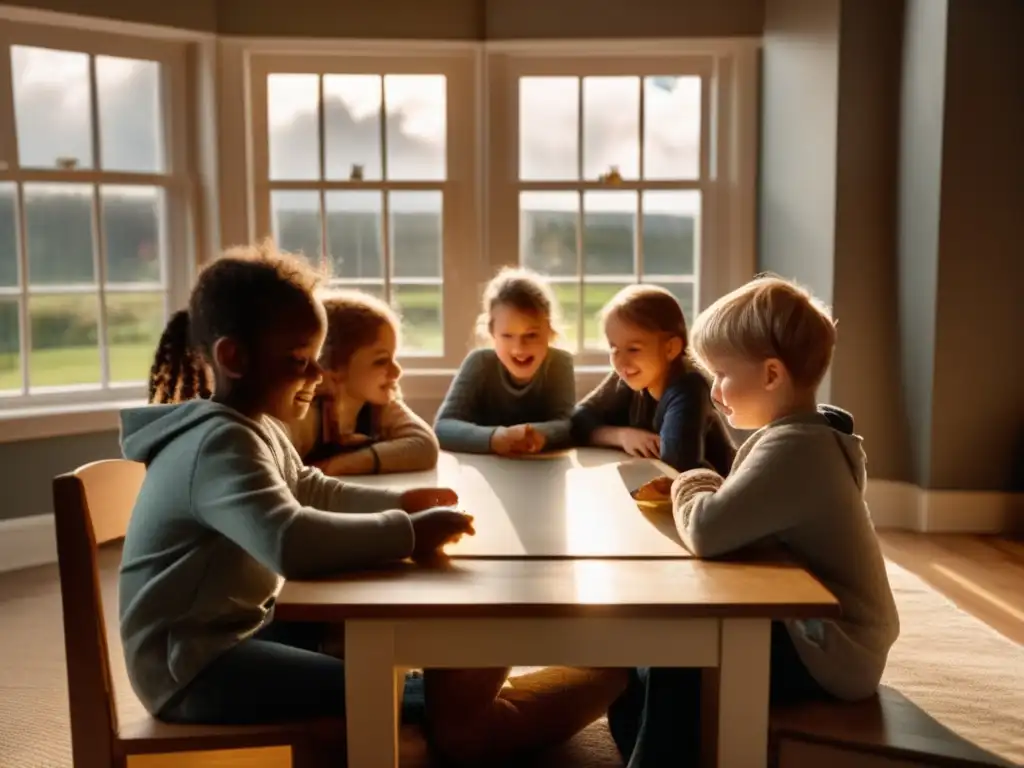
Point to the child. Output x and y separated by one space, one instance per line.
227 510
654 403
515 397
798 481
358 423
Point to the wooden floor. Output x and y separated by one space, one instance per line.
983 575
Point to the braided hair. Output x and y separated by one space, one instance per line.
178 372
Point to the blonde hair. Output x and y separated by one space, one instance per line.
769 317
651 308
354 319
523 290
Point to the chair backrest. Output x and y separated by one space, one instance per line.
92 506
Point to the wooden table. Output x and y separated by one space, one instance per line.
602 613
567 504
527 590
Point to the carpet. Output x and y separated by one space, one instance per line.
964 674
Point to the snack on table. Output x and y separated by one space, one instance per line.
658 490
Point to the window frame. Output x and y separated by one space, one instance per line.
178 243
727 179
460 188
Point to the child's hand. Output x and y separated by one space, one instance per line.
433 528
417 499
640 442
518 439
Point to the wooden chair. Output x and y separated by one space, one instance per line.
92 506
886 731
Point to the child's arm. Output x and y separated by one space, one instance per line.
593 417
239 491
408 444
759 499
455 425
686 407
560 399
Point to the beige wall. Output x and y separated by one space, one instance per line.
185 14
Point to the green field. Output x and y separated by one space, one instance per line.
136 333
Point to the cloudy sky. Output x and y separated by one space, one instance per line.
52 114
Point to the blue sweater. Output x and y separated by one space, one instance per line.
692 433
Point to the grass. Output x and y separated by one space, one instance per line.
422 333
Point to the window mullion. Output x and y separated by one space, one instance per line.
24 326
321 120
638 229
385 198
580 221
98 238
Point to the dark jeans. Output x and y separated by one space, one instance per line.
276 675
656 722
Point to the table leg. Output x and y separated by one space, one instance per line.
743 693
372 695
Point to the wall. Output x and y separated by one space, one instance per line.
977 416
828 153
186 14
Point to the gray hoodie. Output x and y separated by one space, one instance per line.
228 509
800 482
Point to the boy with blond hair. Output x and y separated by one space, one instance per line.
797 481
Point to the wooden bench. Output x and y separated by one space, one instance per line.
888 731
92 506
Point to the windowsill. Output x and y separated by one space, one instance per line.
38 423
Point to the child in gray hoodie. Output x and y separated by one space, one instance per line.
797 481
228 510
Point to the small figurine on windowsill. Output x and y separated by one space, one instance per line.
612 177
357 173
67 163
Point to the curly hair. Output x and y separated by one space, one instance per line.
242 294
178 373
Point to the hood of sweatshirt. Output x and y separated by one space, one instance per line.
834 424
146 430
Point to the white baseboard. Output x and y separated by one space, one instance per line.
905 506
27 541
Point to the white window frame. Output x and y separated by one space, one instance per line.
460 64
725 254
178 246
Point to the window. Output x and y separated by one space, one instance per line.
366 164
89 211
603 175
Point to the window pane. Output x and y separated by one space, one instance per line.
416 227
371 287
609 233
354 234
59 220
595 296
10 345
131 117
352 126
134 324
131 228
64 340
548 128
568 297
296 222
417 127
672 127
52 107
293 126
671 229
422 324
547 231
611 126
8 235
684 295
